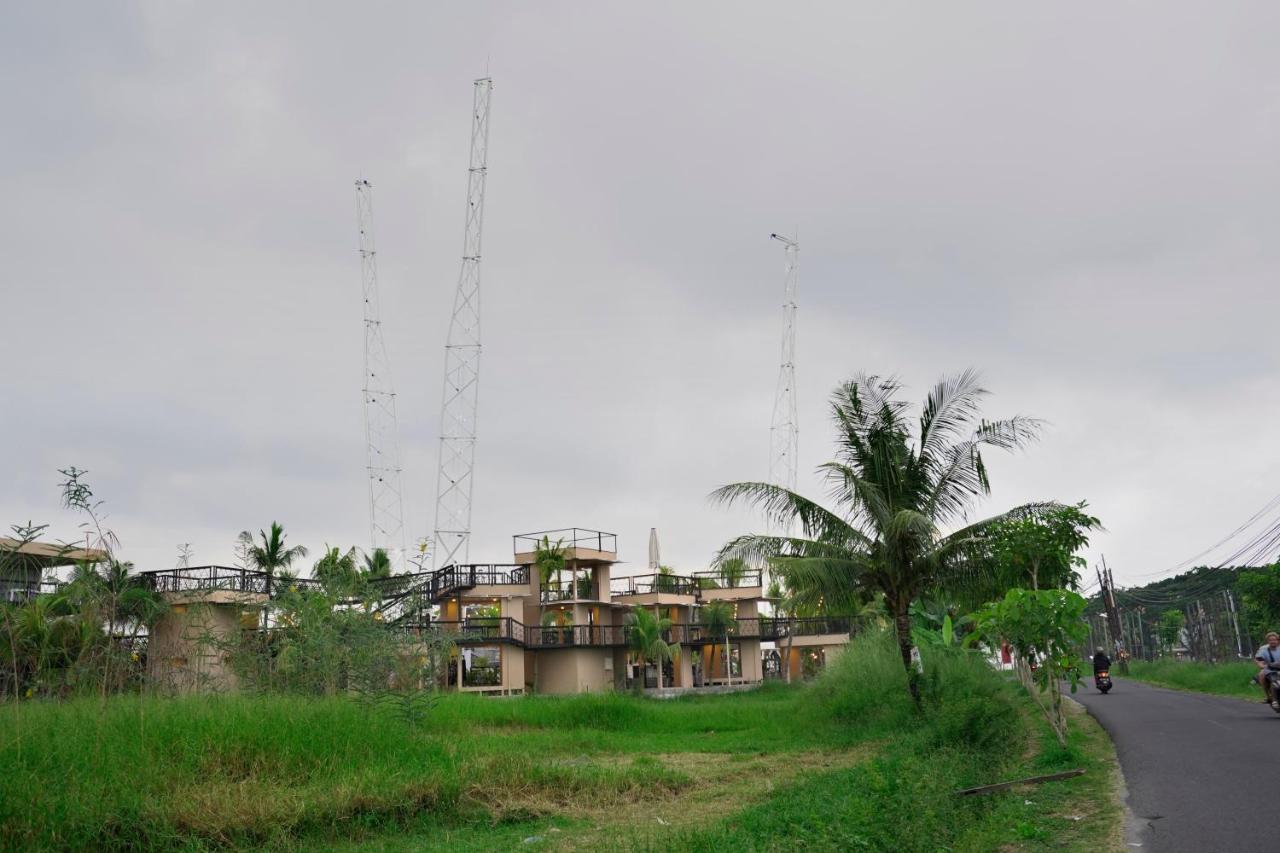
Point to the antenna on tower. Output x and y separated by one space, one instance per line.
462 359
784 433
386 506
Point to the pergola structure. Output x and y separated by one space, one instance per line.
23 565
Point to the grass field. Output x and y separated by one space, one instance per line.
844 763
1223 679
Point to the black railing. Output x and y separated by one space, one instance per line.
719 580
568 589
17 591
565 636
568 537
748 628
459 578
206 578
777 628
485 629
646 584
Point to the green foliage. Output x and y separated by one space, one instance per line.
1260 592
1223 679
549 559
1045 627
895 490
1171 622
646 639
270 554
1040 548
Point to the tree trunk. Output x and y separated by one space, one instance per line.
728 664
902 626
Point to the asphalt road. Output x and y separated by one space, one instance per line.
1200 769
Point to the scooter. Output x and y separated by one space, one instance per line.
1273 679
1102 680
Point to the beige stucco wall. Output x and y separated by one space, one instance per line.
189 648
574 670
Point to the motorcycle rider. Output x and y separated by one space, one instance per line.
1268 659
1102 662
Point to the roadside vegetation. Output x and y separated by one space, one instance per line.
846 762
340 734
1222 679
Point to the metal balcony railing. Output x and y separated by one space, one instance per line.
718 580
207 578
566 636
487 629
567 537
645 584
779 627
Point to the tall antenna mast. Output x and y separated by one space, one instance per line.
784 433
386 505
462 359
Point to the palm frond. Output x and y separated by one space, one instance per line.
782 507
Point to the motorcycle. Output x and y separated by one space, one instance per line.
1102 680
1273 680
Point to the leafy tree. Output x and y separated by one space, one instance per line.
1170 628
1260 593
1043 626
718 619
1040 546
645 639
895 489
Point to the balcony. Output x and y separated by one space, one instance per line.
570 636
650 584
452 580
208 579
578 543
483 630
811 626
714 580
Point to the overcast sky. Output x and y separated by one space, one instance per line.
1078 199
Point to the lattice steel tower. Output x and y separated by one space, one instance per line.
462 359
386 505
784 433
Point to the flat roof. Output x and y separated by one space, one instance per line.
47 555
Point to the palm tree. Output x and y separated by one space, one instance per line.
377 564
895 490
718 618
549 560
271 555
732 571
337 571
645 639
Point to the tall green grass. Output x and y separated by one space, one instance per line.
296 773
904 799
1223 679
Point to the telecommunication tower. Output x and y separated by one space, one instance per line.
784 433
386 505
462 359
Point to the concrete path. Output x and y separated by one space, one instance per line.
1201 770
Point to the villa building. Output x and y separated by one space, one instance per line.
516 632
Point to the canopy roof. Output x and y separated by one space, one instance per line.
46 555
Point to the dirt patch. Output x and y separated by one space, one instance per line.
683 789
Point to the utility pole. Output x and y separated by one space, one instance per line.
462 359
1113 615
382 439
1235 620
